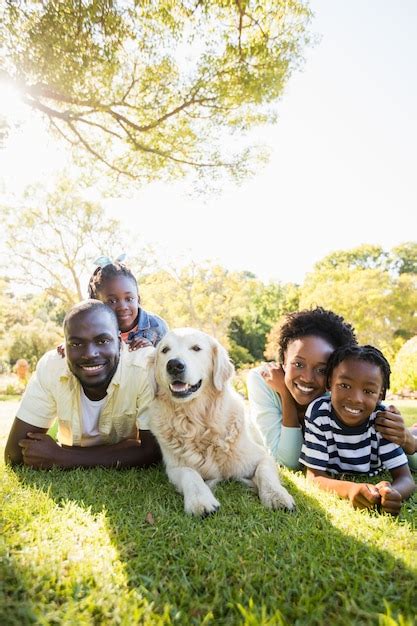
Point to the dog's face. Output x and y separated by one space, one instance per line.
187 361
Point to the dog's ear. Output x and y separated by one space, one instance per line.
150 368
223 369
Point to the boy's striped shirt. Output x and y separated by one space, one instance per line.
331 446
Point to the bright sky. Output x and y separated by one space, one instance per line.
343 165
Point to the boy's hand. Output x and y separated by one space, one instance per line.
364 495
273 375
61 350
391 500
139 342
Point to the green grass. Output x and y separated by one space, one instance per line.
106 547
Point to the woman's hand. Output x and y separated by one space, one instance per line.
273 375
392 427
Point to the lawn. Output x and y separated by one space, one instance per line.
114 547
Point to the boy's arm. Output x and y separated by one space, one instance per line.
38 450
361 495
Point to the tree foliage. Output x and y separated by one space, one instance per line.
404 371
366 286
248 332
52 240
148 88
205 297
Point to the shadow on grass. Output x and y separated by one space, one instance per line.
287 567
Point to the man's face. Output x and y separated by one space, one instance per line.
92 346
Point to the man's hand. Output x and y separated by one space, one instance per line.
139 342
391 499
364 495
273 375
40 451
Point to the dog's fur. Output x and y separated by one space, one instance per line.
203 431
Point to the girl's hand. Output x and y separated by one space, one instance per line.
273 375
364 495
61 350
391 499
391 426
139 342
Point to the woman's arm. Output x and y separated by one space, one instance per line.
266 410
391 425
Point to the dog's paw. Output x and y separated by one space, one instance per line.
278 499
201 504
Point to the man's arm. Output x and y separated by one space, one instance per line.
31 446
13 453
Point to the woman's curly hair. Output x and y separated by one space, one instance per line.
316 322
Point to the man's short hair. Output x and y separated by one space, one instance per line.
91 305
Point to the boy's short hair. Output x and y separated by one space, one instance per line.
366 353
316 322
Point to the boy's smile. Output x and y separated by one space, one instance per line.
356 388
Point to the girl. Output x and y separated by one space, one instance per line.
114 284
341 436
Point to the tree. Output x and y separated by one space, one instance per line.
248 332
31 341
206 297
404 258
404 371
53 239
148 89
380 304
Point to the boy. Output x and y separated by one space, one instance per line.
340 434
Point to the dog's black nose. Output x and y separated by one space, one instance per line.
175 366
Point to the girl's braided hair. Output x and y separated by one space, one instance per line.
316 322
366 353
108 272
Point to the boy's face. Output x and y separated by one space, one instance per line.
356 388
92 346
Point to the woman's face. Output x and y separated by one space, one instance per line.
304 367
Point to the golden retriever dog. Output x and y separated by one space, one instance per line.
201 424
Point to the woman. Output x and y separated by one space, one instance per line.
279 394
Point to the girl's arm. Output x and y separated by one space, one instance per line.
361 495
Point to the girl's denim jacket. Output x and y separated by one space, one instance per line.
150 326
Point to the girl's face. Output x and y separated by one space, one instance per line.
121 294
304 366
356 387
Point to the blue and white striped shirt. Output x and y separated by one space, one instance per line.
331 446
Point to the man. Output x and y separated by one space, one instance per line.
99 394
